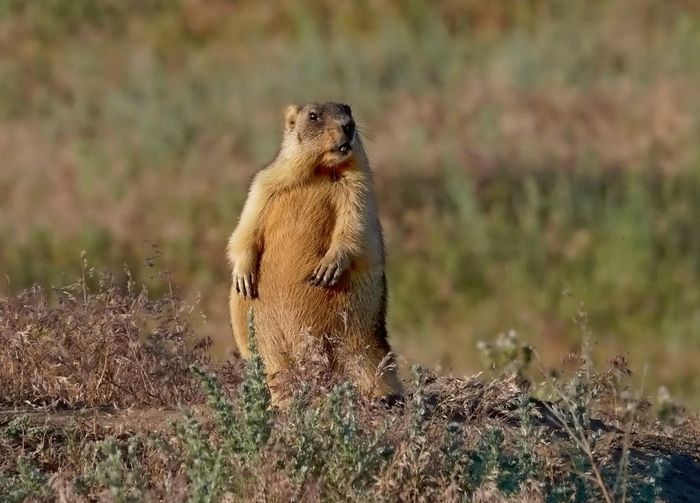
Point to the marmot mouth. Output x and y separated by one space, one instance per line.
344 147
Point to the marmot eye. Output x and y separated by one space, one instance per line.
313 116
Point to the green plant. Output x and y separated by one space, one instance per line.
207 467
307 446
17 428
419 404
357 455
329 443
651 489
123 478
248 429
484 459
255 396
28 481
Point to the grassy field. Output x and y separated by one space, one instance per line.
533 159
105 399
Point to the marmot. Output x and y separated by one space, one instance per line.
308 254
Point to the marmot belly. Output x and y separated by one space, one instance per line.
298 229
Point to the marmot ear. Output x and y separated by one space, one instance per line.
290 116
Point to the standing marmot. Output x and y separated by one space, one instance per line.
308 254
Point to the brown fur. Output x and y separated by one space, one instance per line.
308 254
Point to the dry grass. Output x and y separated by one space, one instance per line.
116 347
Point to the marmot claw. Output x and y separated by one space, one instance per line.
329 271
244 280
245 285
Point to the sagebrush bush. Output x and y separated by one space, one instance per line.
27 482
122 478
207 467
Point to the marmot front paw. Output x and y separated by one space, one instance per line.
329 270
244 278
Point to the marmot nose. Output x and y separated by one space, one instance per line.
349 128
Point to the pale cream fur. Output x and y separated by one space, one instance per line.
310 215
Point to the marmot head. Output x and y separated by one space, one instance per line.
323 133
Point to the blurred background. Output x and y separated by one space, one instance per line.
534 159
